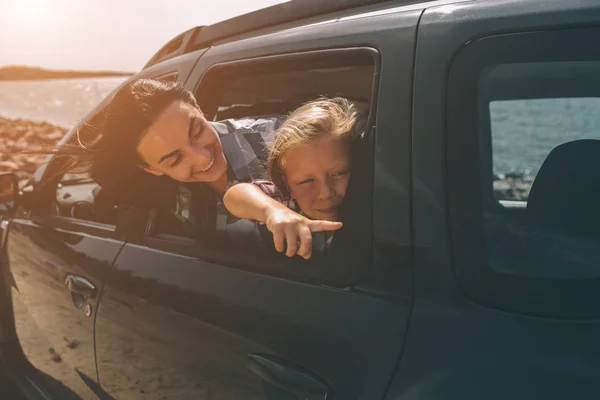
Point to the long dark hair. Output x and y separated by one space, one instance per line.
106 147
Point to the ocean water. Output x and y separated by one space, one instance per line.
523 131
59 101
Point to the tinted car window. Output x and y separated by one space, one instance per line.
178 220
523 171
532 137
79 197
525 130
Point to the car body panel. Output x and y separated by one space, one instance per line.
177 326
457 349
55 335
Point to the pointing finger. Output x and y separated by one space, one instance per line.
319 226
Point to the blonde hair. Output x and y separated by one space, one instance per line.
336 117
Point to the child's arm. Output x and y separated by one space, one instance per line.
248 201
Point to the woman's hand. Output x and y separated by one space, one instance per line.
291 227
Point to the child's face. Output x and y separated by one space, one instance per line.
317 175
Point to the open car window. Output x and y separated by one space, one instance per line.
79 197
275 86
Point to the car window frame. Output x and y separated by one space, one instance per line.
46 194
563 299
318 270
324 57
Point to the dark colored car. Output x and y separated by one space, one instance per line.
468 265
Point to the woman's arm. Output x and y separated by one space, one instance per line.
248 201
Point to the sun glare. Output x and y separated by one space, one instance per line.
30 11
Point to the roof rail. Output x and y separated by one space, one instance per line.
275 15
294 10
175 47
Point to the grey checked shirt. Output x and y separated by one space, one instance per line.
246 145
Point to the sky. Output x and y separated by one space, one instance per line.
118 35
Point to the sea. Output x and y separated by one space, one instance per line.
523 131
61 102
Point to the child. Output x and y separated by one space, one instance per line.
309 167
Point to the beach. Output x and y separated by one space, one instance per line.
18 136
35 115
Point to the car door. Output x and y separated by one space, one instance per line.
62 243
181 319
505 147
59 249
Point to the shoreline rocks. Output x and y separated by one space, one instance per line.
512 186
18 136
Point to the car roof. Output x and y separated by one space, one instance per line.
294 12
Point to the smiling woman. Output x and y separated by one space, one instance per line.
183 145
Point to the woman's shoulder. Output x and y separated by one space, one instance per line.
257 124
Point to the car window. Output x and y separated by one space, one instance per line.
524 204
527 134
178 220
248 89
525 130
79 197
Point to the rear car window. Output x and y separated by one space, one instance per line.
525 130
524 179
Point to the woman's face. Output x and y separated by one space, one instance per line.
183 145
317 175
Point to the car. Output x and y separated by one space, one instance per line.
467 267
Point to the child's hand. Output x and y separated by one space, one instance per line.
291 227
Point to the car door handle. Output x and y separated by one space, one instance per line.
291 378
80 285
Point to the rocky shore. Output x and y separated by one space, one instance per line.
512 186
18 136
24 73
